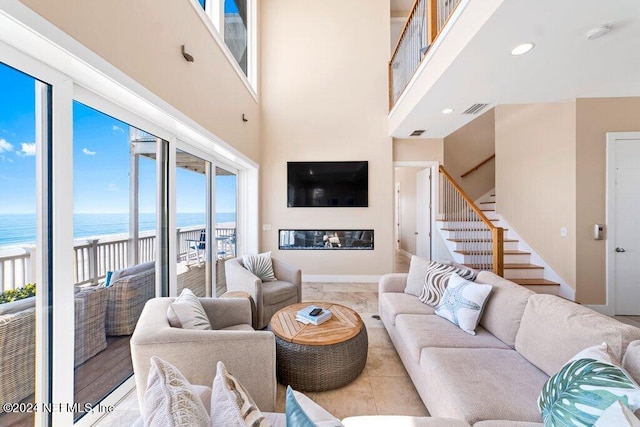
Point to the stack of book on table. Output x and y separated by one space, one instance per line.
304 315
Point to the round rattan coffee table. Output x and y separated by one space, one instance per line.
323 357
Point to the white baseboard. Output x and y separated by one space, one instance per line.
405 253
340 278
604 309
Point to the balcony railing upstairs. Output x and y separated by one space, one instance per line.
425 22
476 238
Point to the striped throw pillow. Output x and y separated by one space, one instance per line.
231 405
260 265
434 278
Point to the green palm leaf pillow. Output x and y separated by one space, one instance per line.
260 265
583 389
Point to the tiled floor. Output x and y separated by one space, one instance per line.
383 387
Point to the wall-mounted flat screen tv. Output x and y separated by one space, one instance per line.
327 184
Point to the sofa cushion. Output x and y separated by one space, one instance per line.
277 291
505 423
553 330
419 331
505 307
585 387
631 360
130 271
16 306
392 304
463 303
478 384
260 265
186 312
401 421
617 415
170 400
301 411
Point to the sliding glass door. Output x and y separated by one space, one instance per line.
226 219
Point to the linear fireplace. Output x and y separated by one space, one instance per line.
325 240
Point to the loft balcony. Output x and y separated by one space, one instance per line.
456 54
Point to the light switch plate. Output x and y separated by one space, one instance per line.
563 231
266 227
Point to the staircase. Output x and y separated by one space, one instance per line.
517 262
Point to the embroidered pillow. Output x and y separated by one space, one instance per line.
260 265
170 400
231 405
463 303
186 312
304 412
585 387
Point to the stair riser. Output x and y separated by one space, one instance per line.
490 214
475 246
467 234
458 225
491 205
508 259
523 273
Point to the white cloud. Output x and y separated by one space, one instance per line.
112 187
88 152
117 129
5 146
28 149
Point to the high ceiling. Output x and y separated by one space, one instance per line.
564 64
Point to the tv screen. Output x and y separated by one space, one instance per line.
327 184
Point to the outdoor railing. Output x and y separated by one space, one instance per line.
425 22
95 256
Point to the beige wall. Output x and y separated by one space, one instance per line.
466 148
406 177
536 179
596 117
143 38
324 97
418 149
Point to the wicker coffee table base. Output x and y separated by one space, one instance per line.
321 367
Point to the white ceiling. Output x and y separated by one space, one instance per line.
564 65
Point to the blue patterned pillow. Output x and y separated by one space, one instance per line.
304 412
584 388
463 303
260 265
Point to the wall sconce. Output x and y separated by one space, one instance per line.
187 55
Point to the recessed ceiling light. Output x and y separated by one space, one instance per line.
522 49
447 111
596 33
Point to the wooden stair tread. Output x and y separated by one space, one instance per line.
521 266
507 252
487 210
535 282
487 203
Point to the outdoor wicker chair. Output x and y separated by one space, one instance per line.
127 296
90 313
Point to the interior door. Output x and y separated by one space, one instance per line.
423 213
627 228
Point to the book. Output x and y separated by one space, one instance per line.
304 316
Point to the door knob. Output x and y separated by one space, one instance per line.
620 250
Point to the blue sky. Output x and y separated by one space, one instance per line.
100 155
229 6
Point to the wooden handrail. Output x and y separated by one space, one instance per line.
464 195
476 167
404 30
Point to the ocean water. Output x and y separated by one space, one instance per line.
18 229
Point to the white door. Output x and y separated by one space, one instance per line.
423 213
627 227
397 216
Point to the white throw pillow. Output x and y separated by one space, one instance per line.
231 405
186 312
170 400
617 415
463 303
260 265
304 412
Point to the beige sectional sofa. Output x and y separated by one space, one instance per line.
494 378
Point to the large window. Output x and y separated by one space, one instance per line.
23 139
235 30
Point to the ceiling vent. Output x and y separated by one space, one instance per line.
417 132
475 108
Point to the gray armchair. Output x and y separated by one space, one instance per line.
248 354
269 297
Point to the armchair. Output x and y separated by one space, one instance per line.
269 297
249 355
